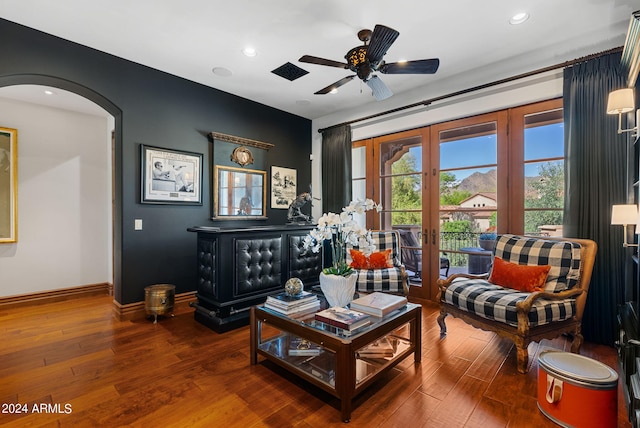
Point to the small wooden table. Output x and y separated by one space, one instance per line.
336 365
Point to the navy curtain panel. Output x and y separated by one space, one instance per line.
336 168
595 179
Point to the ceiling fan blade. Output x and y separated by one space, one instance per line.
380 90
381 39
422 66
321 61
335 85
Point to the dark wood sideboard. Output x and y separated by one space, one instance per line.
238 268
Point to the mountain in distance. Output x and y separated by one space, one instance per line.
486 182
480 182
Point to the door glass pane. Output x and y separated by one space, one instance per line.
401 197
544 173
468 197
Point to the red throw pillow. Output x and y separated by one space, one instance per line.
377 260
359 260
519 277
380 259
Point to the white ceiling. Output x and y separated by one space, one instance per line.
188 38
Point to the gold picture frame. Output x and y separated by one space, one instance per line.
8 185
239 193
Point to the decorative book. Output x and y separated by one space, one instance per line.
285 300
381 348
343 318
378 304
323 366
303 347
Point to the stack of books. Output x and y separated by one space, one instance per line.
346 319
378 304
382 348
300 304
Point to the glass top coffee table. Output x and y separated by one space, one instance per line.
341 362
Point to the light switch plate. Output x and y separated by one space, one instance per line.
137 224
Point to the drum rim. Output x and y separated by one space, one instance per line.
574 378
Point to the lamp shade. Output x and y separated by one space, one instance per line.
620 101
624 214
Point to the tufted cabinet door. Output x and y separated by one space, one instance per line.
258 264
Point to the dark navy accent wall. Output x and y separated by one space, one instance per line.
158 109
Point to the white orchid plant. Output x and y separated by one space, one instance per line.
340 230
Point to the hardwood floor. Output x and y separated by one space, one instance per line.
180 373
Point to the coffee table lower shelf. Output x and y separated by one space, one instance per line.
344 366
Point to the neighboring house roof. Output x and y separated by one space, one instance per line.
489 195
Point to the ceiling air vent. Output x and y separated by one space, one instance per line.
289 71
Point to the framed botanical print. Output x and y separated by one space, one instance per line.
8 185
171 176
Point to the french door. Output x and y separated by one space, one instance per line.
447 186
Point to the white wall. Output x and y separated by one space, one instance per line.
533 89
64 200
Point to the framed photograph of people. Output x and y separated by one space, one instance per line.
8 185
283 187
170 176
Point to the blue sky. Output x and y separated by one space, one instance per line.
540 142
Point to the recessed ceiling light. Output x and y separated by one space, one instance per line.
222 72
249 51
519 18
334 91
48 92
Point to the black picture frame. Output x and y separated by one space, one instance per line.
170 176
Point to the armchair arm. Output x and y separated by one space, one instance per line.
523 307
405 279
443 284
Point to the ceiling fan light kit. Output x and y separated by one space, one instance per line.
366 59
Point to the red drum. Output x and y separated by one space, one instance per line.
576 391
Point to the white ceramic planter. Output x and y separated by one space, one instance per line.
337 289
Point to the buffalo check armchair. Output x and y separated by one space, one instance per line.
521 316
392 279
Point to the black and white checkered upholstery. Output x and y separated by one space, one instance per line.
387 279
562 256
494 302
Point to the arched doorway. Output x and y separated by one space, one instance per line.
72 171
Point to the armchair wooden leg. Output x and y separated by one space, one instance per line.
522 356
443 326
577 342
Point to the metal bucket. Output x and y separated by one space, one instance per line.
577 391
159 299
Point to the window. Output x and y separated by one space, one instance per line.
543 173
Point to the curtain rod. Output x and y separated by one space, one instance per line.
479 87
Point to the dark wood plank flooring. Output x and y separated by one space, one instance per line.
180 373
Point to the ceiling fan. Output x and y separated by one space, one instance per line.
366 59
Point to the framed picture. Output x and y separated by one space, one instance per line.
283 187
239 193
8 185
170 176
